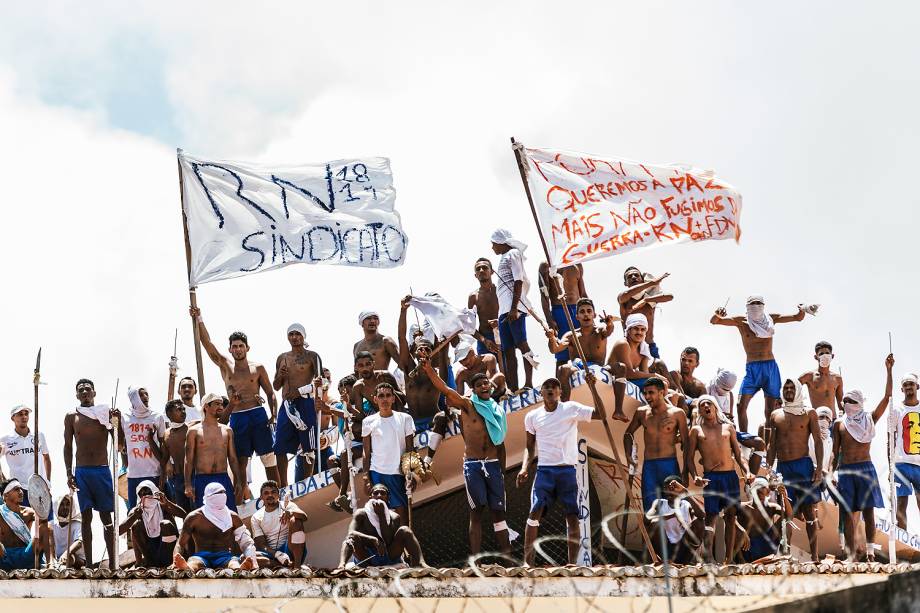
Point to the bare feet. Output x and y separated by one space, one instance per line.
179 562
249 564
619 416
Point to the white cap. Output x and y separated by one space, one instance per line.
18 408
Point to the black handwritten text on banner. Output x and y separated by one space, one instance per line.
244 218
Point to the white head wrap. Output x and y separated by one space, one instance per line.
858 423
215 506
74 510
720 414
797 406
372 515
758 321
463 349
296 327
12 485
151 512
138 408
723 382
825 419
503 237
636 319
365 314
910 377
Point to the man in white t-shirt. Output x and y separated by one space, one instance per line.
907 447
188 389
683 518
278 530
18 448
387 435
553 430
512 286
137 428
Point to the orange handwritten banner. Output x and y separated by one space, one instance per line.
592 207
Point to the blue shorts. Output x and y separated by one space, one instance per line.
640 383
654 472
25 503
744 436
722 491
554 483
158 553
485 484
761 547
797 477
287 437
512 333
251 432
133 482
653 349
283 548
397 486
858 487
761 375
376 560
175 491
563 325
19 558
201 482
481 347
95 488
214 559
907 478
422 424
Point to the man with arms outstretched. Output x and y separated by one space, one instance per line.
252 431
642 297
761 373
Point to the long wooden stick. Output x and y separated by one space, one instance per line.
116 423
36 446
893 500
192 296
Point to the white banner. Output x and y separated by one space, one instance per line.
591 207
244 218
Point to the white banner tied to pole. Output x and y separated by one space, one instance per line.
444 318
244 218
591 207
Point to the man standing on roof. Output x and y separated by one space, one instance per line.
512 288
907 446
642 296
382 348
551 294
18 447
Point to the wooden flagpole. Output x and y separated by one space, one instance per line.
192 296
36 441
116 424
519 157
892 496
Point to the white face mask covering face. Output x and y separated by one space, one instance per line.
824 360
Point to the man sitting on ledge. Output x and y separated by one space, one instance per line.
16 543
375 537
214 528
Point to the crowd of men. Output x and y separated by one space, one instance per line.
187 467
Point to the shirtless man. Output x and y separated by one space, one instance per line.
825 389
382 348
761 373
252 431
485 302
421 394
295 371
715 440
642 297
376 538
483 425
721 388
369 379
209 533
17 545
473 364
759 520
90 425
209 451
573 283
630 359
593 340
857 480
690 386
665 426
907 446
793 425
553 429
172 457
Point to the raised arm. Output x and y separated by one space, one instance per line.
883 403
453 398
222 361
785 319
721 318
404 358
635 290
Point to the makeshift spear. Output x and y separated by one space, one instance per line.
892 497
36 447
116 424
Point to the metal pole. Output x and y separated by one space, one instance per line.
36 448
116 423
664 553
192 297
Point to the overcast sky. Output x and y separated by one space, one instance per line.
809 109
